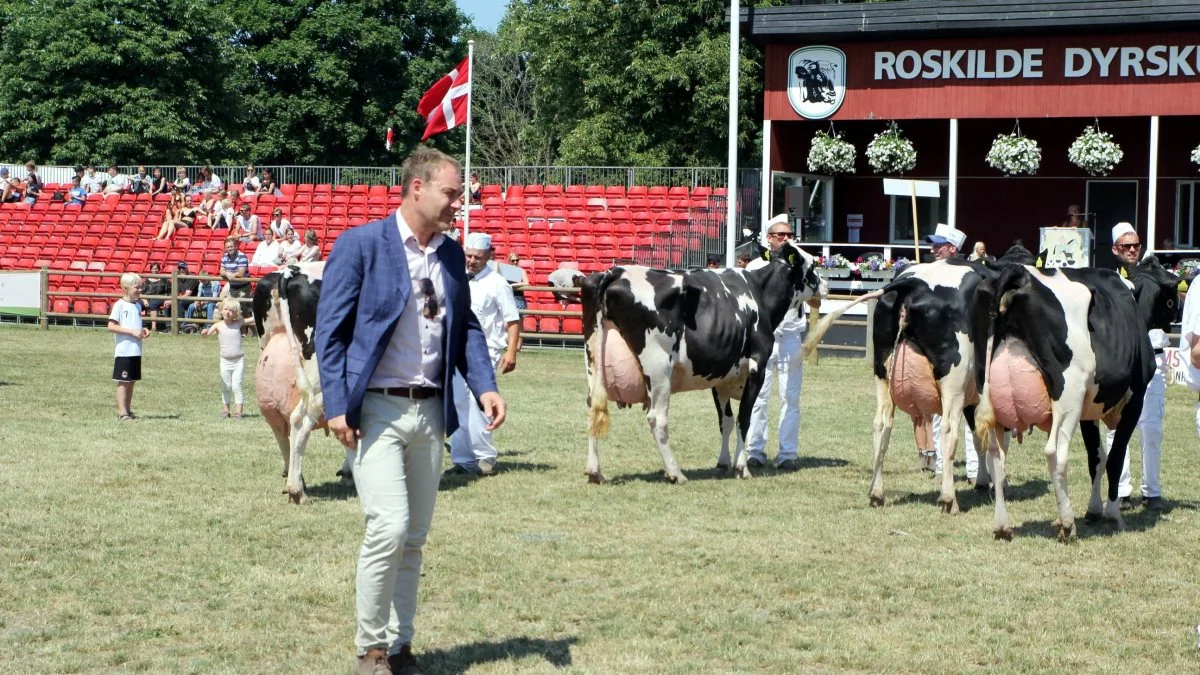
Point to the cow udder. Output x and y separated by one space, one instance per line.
913 387
623 379
275 383
1016 388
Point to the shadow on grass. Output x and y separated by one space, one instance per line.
821 462
1137 519
460 659
332 490
715 473
454 481
170 416
969 498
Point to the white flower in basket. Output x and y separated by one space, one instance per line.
1196 155
836 266
830 154
1014 154
890 152
1095 152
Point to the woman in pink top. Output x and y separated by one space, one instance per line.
229 330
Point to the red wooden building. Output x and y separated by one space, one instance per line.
954 75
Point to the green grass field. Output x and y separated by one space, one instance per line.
165 544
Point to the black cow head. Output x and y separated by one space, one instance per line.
802 273
1157 292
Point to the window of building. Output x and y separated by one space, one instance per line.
1187 198
930 212
808 201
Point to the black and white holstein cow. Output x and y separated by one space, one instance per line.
924 359
650 333
287 384
1063 348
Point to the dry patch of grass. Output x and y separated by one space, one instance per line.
165 544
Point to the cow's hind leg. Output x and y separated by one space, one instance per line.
302 426
983 479
998 452
1096 454
885 418
285 448
656 415
346 473
725 420
1061 429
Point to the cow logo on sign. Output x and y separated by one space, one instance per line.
816 81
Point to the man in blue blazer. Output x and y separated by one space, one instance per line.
393 325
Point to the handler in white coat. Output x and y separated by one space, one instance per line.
786 362
471 448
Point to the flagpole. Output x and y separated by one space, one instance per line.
731 183
470 95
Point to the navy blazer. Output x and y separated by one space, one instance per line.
365 288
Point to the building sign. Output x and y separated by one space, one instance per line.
816 81
1085 76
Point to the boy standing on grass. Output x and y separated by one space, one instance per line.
125 322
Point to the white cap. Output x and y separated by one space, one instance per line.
1120 230
480 241
781 219
944 234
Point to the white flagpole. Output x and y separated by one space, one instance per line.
731 183
470 95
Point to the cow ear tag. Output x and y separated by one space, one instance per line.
791 259
766 255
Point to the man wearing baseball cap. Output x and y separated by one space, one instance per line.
946 241
11 187
492 302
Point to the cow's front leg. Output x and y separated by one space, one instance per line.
660 400
750 392
997 454
949 432
885 418
725 421
593 462
302 426
1096 453
1062 427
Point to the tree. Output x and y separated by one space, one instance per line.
502 107
110 82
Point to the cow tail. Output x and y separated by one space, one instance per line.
985 416
598 415
816 334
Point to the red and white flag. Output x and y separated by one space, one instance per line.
444 106
391 136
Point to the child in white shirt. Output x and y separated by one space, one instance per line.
233 365
125 322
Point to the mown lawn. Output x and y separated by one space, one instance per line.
165 545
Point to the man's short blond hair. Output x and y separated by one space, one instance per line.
421 164
130 280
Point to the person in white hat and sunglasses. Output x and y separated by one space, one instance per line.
492 301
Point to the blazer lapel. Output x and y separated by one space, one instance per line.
397 259
450 278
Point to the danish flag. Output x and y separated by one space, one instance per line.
444 106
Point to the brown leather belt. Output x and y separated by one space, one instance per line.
409 392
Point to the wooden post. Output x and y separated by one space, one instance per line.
43 320
173 301
912 185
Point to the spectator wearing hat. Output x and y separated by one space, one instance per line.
185 288
946 241
279 225
246 225
492 302
10 188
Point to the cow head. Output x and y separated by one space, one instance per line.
802 274
1156 290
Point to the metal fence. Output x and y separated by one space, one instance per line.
689 243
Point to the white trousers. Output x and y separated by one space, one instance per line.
232 371
472 441
968 447
396 473
1150 431
787 364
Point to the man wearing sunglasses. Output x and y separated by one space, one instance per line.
394 325
1127 246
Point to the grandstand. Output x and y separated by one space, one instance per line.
595 226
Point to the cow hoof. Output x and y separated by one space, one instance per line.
298 498
1005 532
722 467
595 478
949 506
876 501
1093 517
742 472
1066 532
677 479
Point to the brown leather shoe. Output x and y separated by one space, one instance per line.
374 662
403 663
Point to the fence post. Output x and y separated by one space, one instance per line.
43 320
173 301
871 331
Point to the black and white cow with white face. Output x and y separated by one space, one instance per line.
287 383
924 359
649 333
1067 347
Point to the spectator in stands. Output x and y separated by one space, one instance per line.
93 182
159 185
118 183
33 183
516 277
566 277
207 207
181 182
743 259
140 182
77 194
714 262
269 186
154 284
188 288
179 214
222 212
246 225
206 182
267 256
229 332
289 248
251 184
205 289
311 250
476 189
235 268
279 225
11 187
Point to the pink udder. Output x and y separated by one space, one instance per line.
914 390
623 378
1016 388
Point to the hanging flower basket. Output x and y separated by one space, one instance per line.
1014 154
1196 155
1095 152
830 154
890 152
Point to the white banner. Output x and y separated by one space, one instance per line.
20 293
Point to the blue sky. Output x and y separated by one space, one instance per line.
487 13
